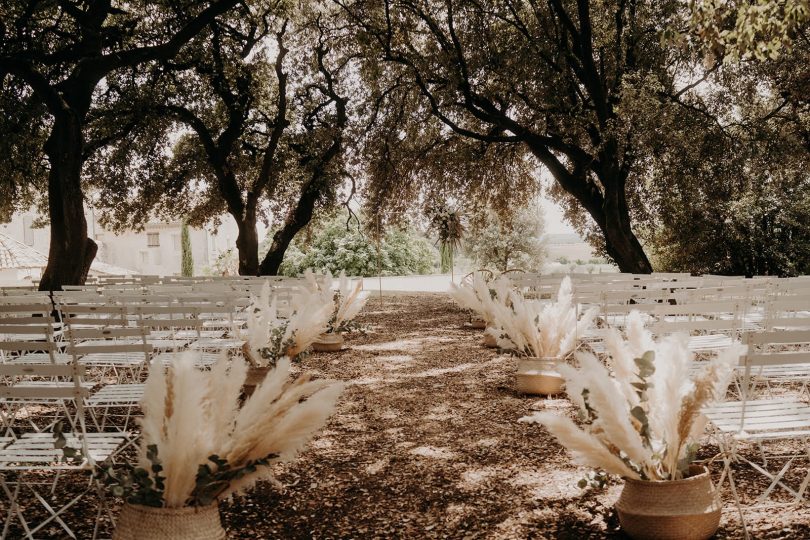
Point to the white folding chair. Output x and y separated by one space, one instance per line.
31 461
759 425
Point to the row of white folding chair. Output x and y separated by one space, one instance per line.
711 326
19 291
787 312
30 459
766 422
33 326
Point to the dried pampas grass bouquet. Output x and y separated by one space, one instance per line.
200 443
641 412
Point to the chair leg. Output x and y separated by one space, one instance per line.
14 507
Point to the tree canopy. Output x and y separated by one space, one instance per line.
53 59
663 124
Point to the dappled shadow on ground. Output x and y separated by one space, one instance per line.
426 444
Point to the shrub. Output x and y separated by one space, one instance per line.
334 248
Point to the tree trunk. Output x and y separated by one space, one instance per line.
71 252
608 210
620 241
247 245
298 218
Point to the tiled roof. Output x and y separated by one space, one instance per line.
16 255
103 268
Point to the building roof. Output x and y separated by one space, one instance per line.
16 255
103 268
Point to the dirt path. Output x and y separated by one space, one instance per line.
426 444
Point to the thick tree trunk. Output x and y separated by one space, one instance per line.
247 245
71 252
298 218
609 210
620 241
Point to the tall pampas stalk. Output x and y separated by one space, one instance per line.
268 336
643 408
539 329
480 296
347 301
191 415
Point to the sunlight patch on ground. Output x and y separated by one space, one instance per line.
440 371
414 344
440 414
398 345
489 442
377 466
550 403
433 452
396 361
364 381
474 477
404 445
322 443
549 483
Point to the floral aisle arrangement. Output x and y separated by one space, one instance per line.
269 337
541 335
346 302
201 443
641 416
479 296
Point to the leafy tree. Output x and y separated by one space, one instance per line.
187 258
340 246
733 30
505 242
53 58
551 81
734 199
262 117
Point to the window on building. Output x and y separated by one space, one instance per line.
153 239
28 230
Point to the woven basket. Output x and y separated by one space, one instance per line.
329 342
478 324
148 523
489 340
254 377
687 509
539 377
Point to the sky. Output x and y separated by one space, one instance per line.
554 217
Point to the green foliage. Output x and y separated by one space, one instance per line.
448 225
137 485
759 228
514 241
187 262
333 247
734 30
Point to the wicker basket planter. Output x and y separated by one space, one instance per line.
539 376
687 509
254 377
328 342
189 523
478 324
490 341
